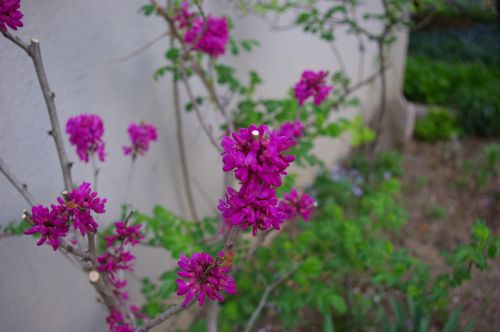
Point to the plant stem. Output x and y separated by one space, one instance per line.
182 149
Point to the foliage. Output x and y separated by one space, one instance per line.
482 170
437 124
471 88
349 265
476 44
474 10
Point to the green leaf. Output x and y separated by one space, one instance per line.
172 54
453 321
328 323
338 303
147 9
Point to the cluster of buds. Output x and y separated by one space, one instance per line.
75 207
208 34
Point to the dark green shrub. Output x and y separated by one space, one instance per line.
438 124
471 88
479 112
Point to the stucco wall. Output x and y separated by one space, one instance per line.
40 290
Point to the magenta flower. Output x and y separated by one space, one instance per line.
203 277
294 204
257 208
183 17
128 234
85 132
257 155
10 15
116 323
78 206
210 36
312 84
49 224
113 262
140 135
292 130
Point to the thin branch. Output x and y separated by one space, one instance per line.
21 187
198 113
16 40
182 149
212 316
36 56
173 310
139 50
338 56
263 300
251 251
195 66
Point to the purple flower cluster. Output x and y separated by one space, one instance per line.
140 135
49 223
210 36
117 323
292 130
10 15
258 159
117 258
312 84
128 234
294 205
75 207
85 132
202 276
78 205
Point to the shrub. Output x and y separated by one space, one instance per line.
472 88
438 124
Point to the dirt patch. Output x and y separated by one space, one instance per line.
442 207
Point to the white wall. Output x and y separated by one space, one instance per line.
39 290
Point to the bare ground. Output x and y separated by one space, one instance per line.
442 207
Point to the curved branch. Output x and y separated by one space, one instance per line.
21 187
269 289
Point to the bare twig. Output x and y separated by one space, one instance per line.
21 187
195 66
204 126
36 56
102 286
33 50
173 310
212 316
139 50
340 59
267 291
182 150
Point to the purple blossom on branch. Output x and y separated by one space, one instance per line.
128 234
49 224
292 130
312 84
202 276
116 322
256 155
140 135
258 209
294 205
78 206
85 132
10 15
210 36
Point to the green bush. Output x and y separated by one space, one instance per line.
438 124
476 44
471 88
